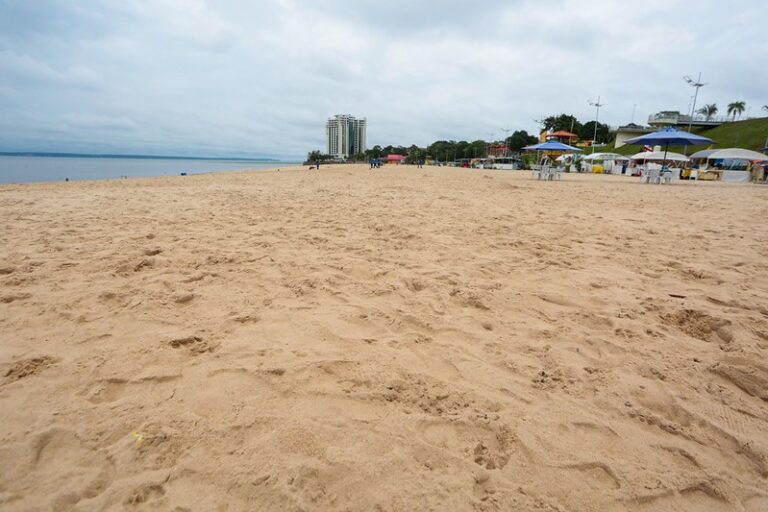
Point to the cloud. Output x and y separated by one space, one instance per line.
237 77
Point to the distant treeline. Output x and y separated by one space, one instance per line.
451 150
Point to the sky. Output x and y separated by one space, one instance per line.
260 77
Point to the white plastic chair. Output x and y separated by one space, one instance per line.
651 176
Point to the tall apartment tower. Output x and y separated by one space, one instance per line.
345 135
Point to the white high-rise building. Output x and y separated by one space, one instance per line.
345 135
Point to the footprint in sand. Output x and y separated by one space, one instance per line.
153 387
28 367
748 375
13 297
194 344
58 464
700 325
145 493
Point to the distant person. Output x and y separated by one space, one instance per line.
624 165
758 172
317 165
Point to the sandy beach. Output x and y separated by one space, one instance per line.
393 340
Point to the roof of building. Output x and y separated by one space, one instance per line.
563 133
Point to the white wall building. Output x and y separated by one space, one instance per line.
345 135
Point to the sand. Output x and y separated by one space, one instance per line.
401 339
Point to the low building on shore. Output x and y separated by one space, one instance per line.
627 132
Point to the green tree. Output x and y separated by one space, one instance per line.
565 122
316 156
737 107
479 149
415 154
442 150
519 139
708 110
394 150
462 150
603 132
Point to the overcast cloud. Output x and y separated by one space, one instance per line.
237 77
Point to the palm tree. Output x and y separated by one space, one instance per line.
708 110
737 107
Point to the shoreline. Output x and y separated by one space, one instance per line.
142 161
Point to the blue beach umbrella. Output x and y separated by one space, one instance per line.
666 137
551 145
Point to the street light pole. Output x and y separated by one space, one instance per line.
597 105
697 84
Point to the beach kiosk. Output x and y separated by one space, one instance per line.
730 164
395 159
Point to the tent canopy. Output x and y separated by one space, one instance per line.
659 155
551 145
737 154
605 156
704 153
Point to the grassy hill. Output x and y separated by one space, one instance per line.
748 134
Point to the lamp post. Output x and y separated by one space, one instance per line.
696 84
597 106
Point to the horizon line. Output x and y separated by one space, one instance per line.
141 156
